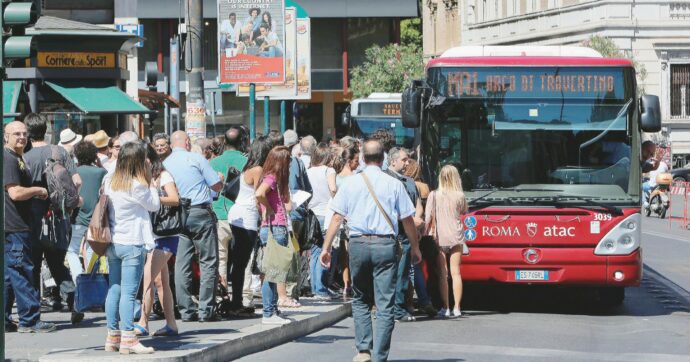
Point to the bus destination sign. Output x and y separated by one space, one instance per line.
532 83
379 109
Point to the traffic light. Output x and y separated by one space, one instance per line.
16 16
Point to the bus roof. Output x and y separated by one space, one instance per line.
525 56
529 62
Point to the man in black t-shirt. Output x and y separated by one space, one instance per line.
18 264
49 234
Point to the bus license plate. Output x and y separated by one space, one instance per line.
531 275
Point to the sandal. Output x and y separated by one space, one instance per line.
288 303
165 332
140 331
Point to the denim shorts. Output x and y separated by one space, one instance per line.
168 244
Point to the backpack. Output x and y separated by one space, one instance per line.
62 192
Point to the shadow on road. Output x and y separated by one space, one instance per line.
323 339
504 299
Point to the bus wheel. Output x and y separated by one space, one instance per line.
611 297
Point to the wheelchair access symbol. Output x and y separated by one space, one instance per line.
471 222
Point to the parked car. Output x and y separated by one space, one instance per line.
681 174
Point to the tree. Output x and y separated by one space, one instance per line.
411 30
387 69
606 47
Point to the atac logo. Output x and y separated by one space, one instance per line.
532 229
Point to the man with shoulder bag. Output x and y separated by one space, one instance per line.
52 168
373 203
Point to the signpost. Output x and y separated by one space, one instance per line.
17 16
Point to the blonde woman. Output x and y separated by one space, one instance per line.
133 195
444 209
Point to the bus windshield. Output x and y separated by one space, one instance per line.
363 127
546 128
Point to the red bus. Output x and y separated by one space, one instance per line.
547 140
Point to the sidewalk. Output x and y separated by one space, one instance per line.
666 249
218 341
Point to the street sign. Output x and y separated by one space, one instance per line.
214 101
75 60
136 29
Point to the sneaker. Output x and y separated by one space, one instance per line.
76 317
39 327
275 320
362 357
406 318
11 326
323 297
444 313
457 313
428 310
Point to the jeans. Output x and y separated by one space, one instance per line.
53 251
75 265
269 291
241 247
316 270
403 280
199 234
646 191
18 275
420 284
272 52
373 263
126 267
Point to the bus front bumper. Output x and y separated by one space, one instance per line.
567 266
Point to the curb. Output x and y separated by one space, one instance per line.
266 339
677 289
229 346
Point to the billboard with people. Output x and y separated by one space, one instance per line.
251 41
287 89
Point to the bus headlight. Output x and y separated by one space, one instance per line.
623 239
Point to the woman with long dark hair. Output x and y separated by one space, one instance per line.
244 222
156 268
273 196
133 195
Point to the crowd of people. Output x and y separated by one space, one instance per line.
359 234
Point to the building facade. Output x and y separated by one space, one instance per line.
341 32
655 32
441 26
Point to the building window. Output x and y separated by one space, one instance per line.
680 91
484 10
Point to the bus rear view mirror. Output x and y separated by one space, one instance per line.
650 114
345 118
411 106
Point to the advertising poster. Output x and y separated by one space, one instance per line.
303 59
288 89
251 41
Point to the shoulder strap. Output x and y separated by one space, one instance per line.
376 199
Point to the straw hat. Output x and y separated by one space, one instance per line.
100 139
69 138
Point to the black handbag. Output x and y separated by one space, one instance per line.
171 220
231 188
310 234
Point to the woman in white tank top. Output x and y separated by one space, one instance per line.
244 222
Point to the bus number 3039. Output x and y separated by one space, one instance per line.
602 217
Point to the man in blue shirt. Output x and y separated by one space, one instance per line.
399 159
195 179
373 247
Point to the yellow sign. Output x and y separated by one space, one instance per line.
75 60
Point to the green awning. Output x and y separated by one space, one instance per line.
98 98
10 96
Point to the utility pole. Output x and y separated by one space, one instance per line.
195 122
